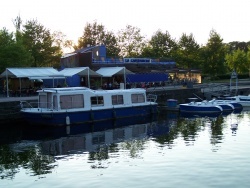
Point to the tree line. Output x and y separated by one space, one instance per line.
34 45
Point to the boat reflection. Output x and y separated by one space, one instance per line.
197 115
92 141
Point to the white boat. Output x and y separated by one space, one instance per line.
244 100
203 107
78 105
237 107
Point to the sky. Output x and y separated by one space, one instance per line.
229 18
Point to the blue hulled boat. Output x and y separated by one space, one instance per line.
203 107
78 105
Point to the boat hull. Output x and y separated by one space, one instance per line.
56 118
201 109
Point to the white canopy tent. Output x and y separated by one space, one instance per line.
81 71
31 73
110 71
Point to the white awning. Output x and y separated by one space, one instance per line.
31 72
110 71
81 71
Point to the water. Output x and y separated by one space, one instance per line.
167 151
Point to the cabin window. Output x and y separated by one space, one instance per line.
97 101
55 102
71 101
42 101
138 98
117 99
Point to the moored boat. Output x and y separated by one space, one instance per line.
78 105
203 107
237 106
244 100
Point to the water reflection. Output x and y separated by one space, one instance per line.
37 150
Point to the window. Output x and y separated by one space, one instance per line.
117 99
55 102
137 98
71 101
43 101
97 101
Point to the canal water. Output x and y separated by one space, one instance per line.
163 151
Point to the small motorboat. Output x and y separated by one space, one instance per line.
237 107
203 107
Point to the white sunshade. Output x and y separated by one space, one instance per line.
82 71
110 71
31 72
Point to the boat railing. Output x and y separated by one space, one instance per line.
26 104
151 98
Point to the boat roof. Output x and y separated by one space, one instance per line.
77 89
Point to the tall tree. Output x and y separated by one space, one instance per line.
130 41
12 52
95 34
237 61
162 45
187 55
41 44
92 35
214 55
110 41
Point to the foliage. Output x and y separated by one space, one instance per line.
187 54
95 34
237 61
213 55
40 42
161 45
130 41
12 52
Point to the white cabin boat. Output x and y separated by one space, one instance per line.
78 105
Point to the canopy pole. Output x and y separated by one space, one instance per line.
20 86
7 83
88 79
124 76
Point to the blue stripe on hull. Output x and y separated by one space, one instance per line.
57 119
200 109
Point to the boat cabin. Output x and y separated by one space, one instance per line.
82 97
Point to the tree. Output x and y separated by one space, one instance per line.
162 45
61 41
187 55
214 55
110 41
130 41
237 61
95 34
41 44
12 52
92 35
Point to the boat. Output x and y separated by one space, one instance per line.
227 107
225 104
203 107
79 105
244 100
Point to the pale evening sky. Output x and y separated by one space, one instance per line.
229 18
